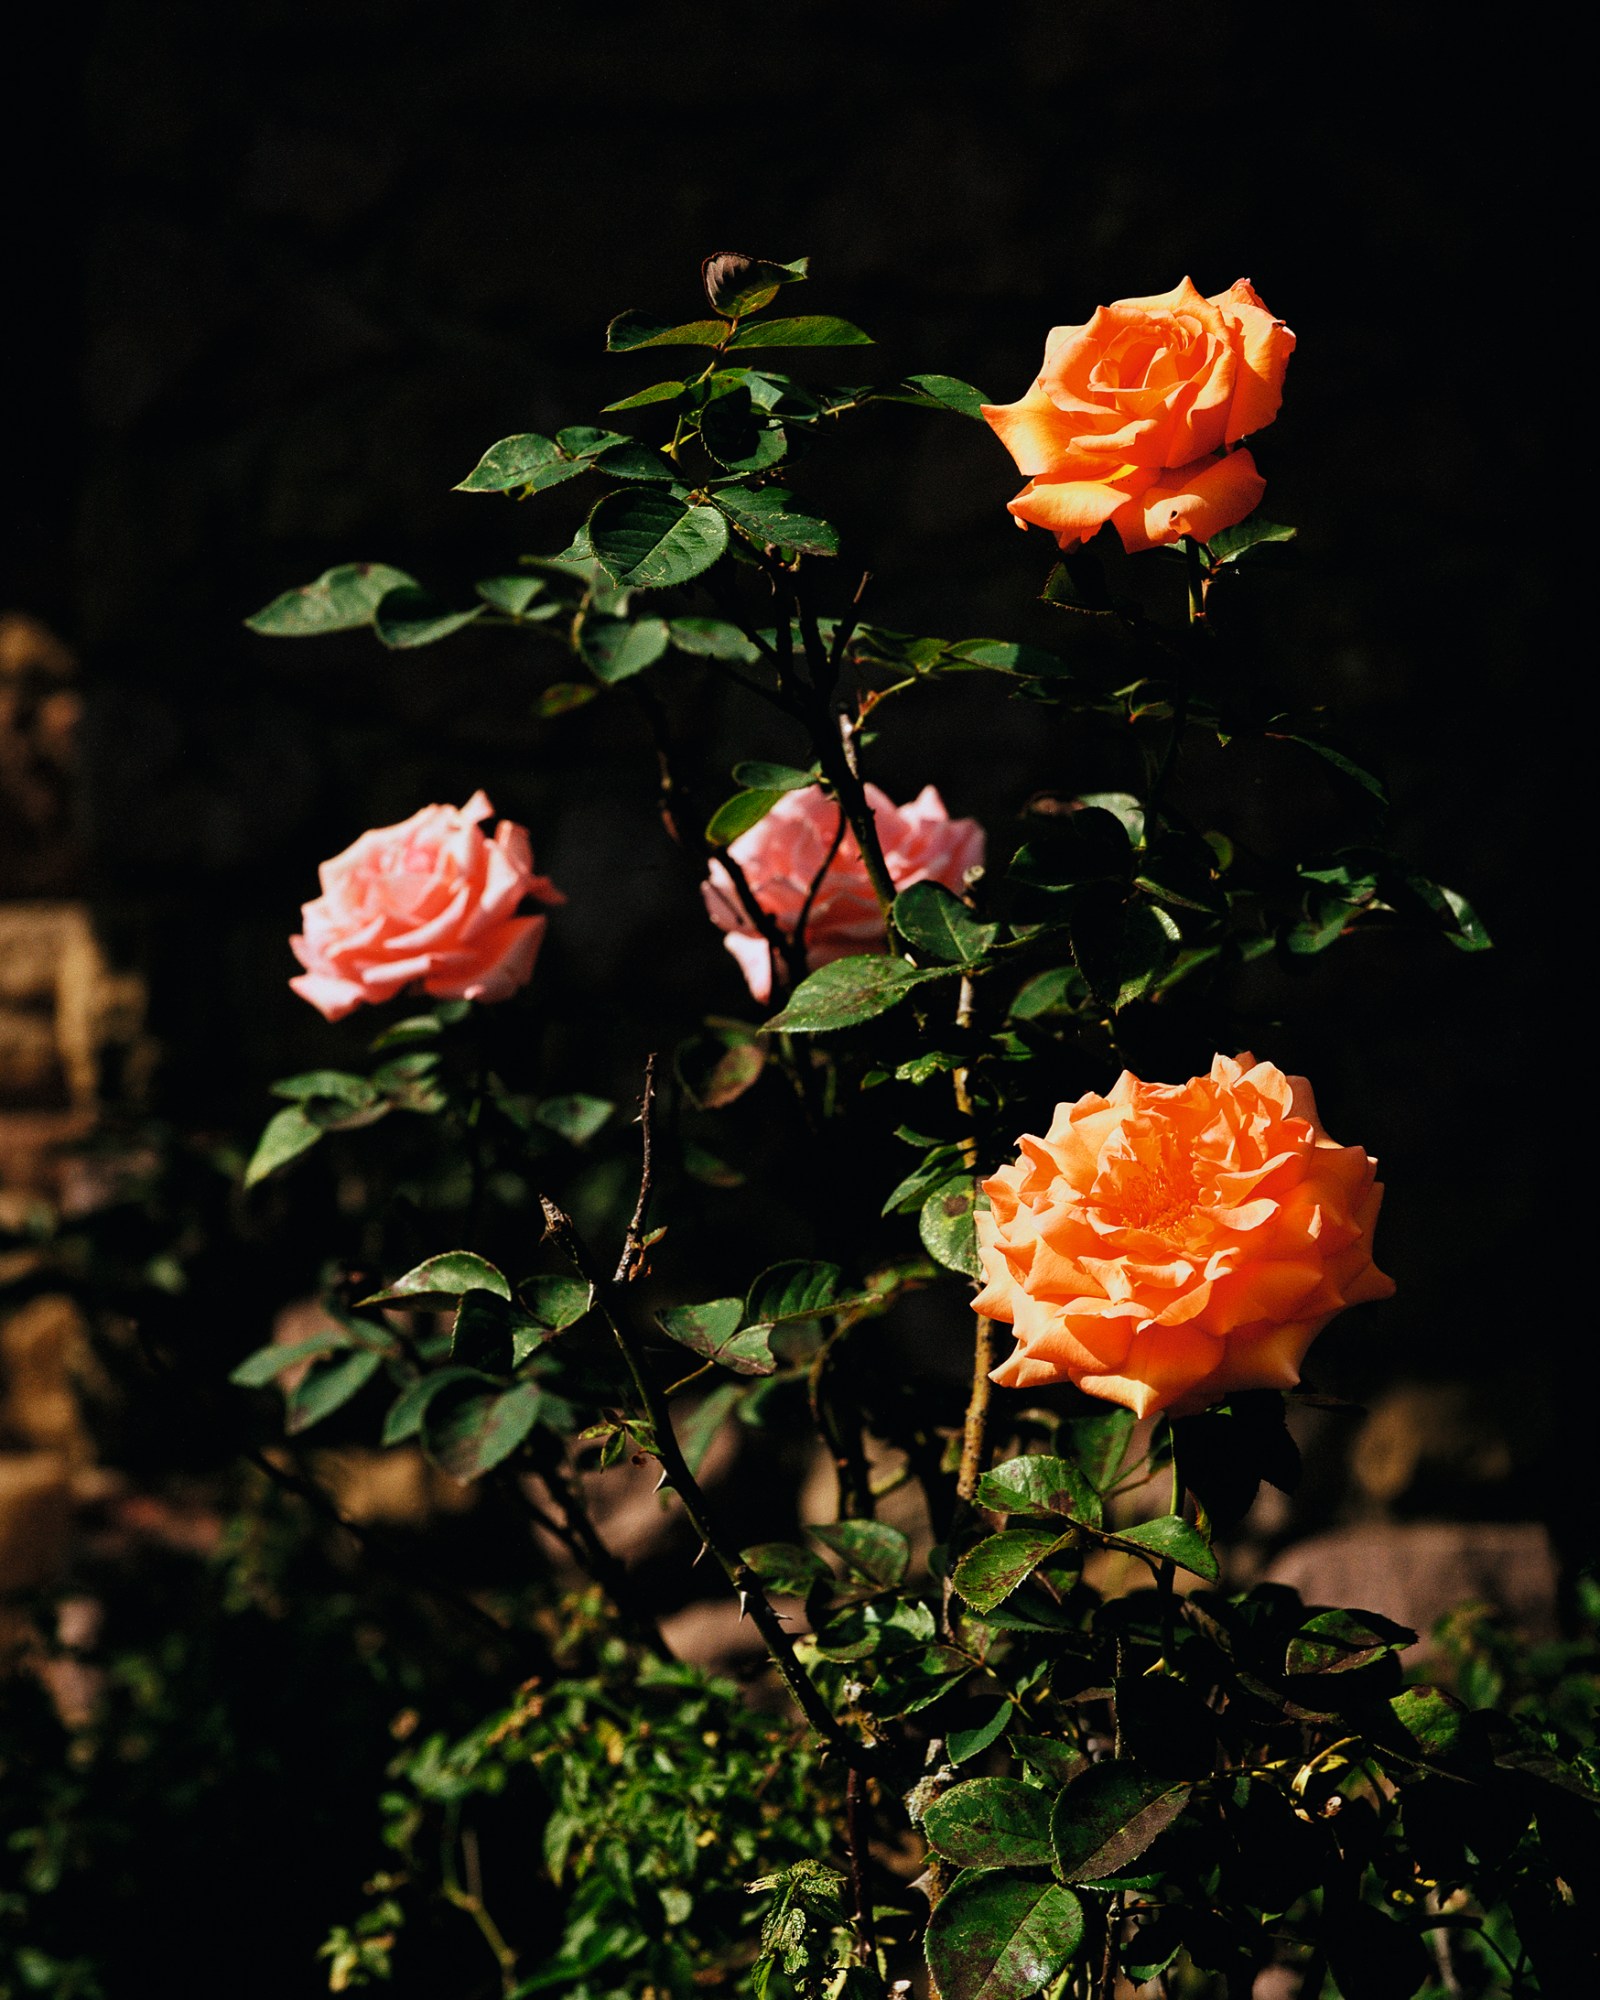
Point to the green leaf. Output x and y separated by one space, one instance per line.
337 1084
798 1288
1100 1444
556 1303
714 1331
658 392
761 776
289 1133
948 1228
475 1433
785 1566
647 540
847 992
1109 1816
987 1575
996 1936
341 600
962 1745
948 393
736 284
411 616
615 649
561 697
763 514
1338 1642
936 921
445 1276
737 437
738 814
1345 766
991 1823
713 639
529 460
1231 543
1040 1485
641 329
1174 1539
872 1549
1430 1721
1060 990
576 1118
1469 933
698 1434
806 330
258 1369
510 594
328 1388
1054 1760
406 1412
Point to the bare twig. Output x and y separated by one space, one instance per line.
858 1841
974 1436
631 1262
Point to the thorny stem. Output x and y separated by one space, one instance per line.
675 1471
631 1262
974 1436
857 1839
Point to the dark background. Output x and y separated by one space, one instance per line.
282 272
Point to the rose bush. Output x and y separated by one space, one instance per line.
432 902
1168 1243
797 847
1134 417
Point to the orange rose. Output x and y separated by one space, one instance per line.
1169 1243
1134 416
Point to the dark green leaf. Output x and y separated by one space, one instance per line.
996 1936
872 1549
339 1085
510 594
795 1289
991 1823
640 329
760 776
615 649
1345 766
962 1745
658 392
1231 543
736 284
1429 1720
411 616
341 600
528 460
1061 990
763 514
698 1434
1335 1642
987 1575
328 1387
1372 1956
445 1276
563 696
473 1433
1054 1760
258 1369
807 330
480 1334
1174 1539
556 1303
737 437
949 393
713 639
409 1407
847 992
948 1228
289 1133
713 1330
931 917
575 1117
738 814
1040 1485
647 540
1109 1816
785 1566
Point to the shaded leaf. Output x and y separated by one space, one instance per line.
409 1407
641 329
872 1549
962 1745
615 649
713 639
356 1091
785 1566
804 330
1109 1816
289 1133
798 1288
936 921
1231 543
761 776
996 1936
736 284
948 393
1336 1642
763 514
528 460
411 616
714 1331
658 392
986 1575
738 814
258 1369
1177 1541
327 1388
341 600
473 1433
575 1117
948 1228
510 594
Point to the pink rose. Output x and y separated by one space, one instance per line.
782 856
432 900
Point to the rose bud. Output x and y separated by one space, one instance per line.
1133 418
1168 1244
432 902
782 856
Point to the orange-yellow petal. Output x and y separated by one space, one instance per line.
1265 344
1074 509
1199 500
